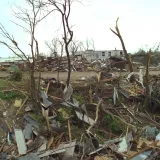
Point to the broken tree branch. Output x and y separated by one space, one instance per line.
147 95
117 33
96 118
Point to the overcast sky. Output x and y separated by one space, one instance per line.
139 24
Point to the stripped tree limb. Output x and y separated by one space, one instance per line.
64 8
147 96
118 34
96 118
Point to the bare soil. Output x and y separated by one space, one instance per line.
74 75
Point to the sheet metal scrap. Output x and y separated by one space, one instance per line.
44 144
22 148
30 156
46 102
69 147
123 146
28 131
106 144
31 121
67 92
4 156
50 152
142 156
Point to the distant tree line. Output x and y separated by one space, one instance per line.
141 56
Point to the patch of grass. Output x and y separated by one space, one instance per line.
63 113
10 95
113 123
38 117
3 84
79 97
60 117
16 76
110 100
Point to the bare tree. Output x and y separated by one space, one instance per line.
53 47
74 46
118 34
88 45
92 44
64 8
147 93
29 19
56 49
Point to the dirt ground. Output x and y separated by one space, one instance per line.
74 75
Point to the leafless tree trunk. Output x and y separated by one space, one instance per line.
64 8
147 95
117 33
60 58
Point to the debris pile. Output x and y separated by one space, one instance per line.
78 63
101 120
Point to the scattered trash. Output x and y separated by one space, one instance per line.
4 113
123 146
158 137
18 102
142 156
151 132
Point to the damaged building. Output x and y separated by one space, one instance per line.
92 55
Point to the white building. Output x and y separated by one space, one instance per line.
92 55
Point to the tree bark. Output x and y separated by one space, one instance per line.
126 54
69 66
117 33
147 93
34 90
